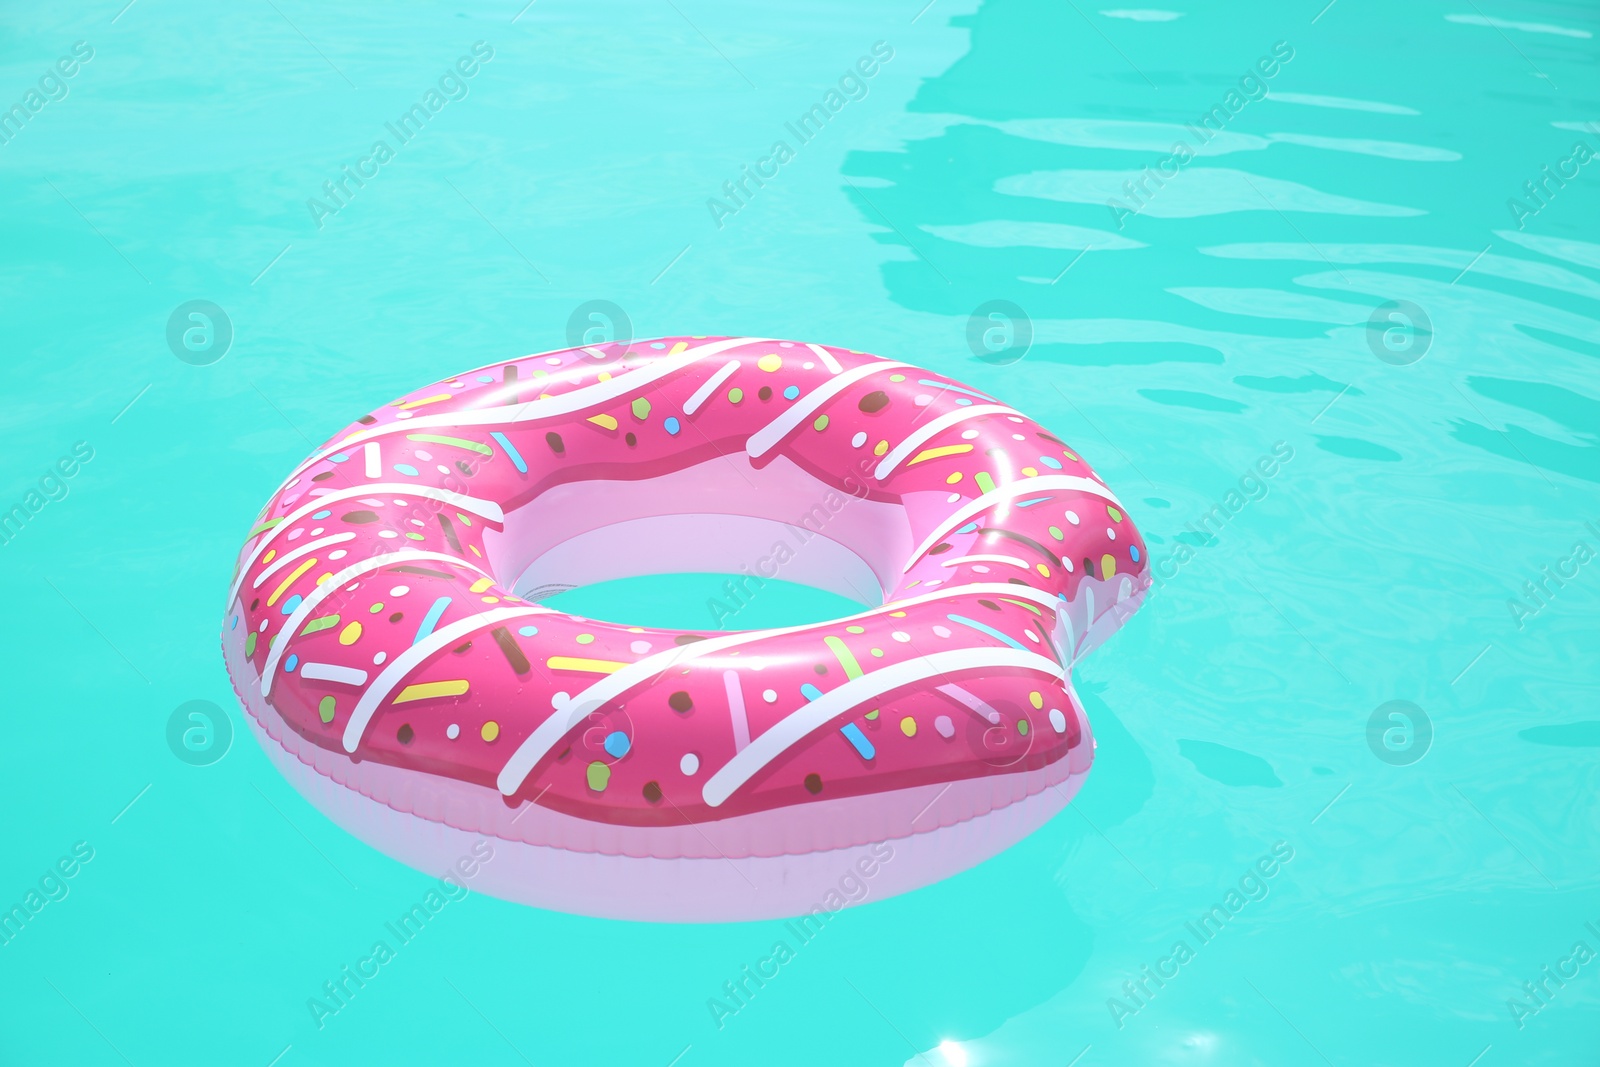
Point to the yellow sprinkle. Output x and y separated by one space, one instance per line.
426 690
770 362
578 663
475 551
897 614
490 731
324 576
425 400
491 600
287 582
268 557
679 347
1108 566
935 453
880 448
1030 472
480 585
608 422
350 634
1042 569
908 726
1036 699
604 376
953 479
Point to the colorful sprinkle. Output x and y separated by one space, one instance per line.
490 730
617 744
671 425
350 634
599 776
908 726
858 740
325 709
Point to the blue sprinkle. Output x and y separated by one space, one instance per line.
791 392
431 619
963 401
485 377
671 424
406 468
1031 503
338 457
511 450
811 692
852 733
528 631
986 629
234 624
968 528
657 344
291 663
1051 462
617 744
290 604
324 513
1133 550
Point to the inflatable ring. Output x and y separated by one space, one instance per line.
383 631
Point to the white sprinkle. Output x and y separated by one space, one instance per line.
317 531
769 695
967 435
1072 517
980 568
442 468
945 727
453 731
424 456
400 590
402 415
338 553
859 439
561 700
1031 635
922 400
387 533
1058 721
901 636
808 365
639 648
1018 437
689 764
379 658
1067 563
941 631
1111 533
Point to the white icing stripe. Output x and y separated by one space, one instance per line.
1013 560
374 459
371 565
393 674
797 725
332 672
486 508
554 728
709 386
971 701
827 358
1045 484
533 410
305 549
950 418
764 439
736 712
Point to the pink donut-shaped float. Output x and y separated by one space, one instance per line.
383 631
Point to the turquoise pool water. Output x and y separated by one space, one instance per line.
1343 279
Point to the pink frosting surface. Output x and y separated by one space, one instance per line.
374 610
